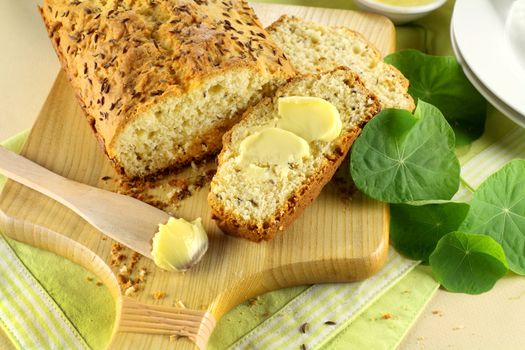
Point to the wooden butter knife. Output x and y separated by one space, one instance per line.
125 219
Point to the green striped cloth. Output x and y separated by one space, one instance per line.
508 147
28 315
325 308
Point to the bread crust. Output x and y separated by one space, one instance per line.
124 59
400 78
235 225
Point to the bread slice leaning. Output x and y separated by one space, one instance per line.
256 207
313 47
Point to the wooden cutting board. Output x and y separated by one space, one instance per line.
337 239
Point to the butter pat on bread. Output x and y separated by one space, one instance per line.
311 118
257 207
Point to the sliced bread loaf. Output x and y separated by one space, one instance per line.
313 47
161 81
254 202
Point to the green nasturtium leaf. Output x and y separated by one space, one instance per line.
439 80
401 157
498 210
416 229
468 263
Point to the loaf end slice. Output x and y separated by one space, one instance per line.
313 47
255 209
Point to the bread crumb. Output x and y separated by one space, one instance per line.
103 238
116 247
168 190
180 304
89 278
116 256
130 291
159 295
135 257
99 284
124 283
127 275
437 312
142 274
387 316
122 280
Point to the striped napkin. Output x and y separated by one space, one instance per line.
322 310
28 315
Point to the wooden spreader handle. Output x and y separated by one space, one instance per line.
138 317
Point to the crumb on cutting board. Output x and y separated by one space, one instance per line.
130 279
180 304
130 291
158 295
167 190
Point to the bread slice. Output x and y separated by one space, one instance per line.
161 81
313 47
256 209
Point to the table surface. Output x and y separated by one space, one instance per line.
28 67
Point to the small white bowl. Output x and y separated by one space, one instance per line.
399 14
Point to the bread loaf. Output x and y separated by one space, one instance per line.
256 207
313 47
162 80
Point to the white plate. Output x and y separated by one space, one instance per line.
489 96
399 14
479 31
